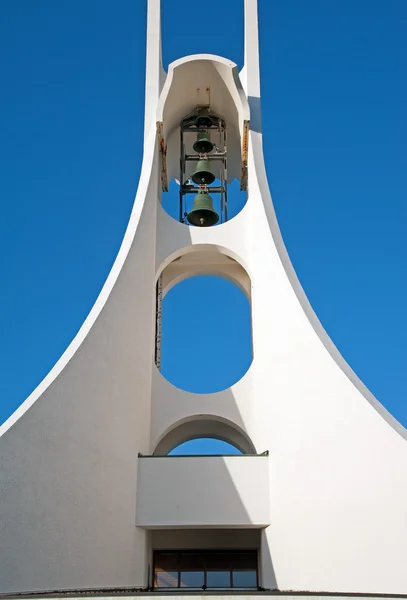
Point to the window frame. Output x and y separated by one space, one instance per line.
203 556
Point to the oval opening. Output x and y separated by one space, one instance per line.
206 334
178 209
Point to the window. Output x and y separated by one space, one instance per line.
205 570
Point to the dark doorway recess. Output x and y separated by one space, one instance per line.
210 569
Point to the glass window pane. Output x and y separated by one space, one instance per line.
218 579
244 579
166 579
192 579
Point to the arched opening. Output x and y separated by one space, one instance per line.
205 446
205 338
208 435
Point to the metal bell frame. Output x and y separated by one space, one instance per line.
188 126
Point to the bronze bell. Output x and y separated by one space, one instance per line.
203 144
203 174
202 213
203 119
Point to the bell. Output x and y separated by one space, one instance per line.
203 119
203 174
203 144
203 213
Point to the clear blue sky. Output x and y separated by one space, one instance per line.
334 90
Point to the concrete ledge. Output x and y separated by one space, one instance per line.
203 491
133 595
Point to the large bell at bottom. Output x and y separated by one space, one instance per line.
203 174
203 213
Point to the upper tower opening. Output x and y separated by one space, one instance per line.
202 124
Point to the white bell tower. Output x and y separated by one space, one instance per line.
87 491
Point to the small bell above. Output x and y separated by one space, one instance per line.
203 119
202 213
203 174
203 144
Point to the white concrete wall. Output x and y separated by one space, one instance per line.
203 491
171 407
338 467
68 455
68 464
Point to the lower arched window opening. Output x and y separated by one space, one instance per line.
204 447
205 435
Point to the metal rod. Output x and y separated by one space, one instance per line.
197 157
221 177
181 208
225 166
158 321
226 203
193 128
181 176
196 190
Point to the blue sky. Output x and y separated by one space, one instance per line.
334 91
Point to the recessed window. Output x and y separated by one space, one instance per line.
205 569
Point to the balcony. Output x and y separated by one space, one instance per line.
203 492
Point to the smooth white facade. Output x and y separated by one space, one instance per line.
214 492
337 471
